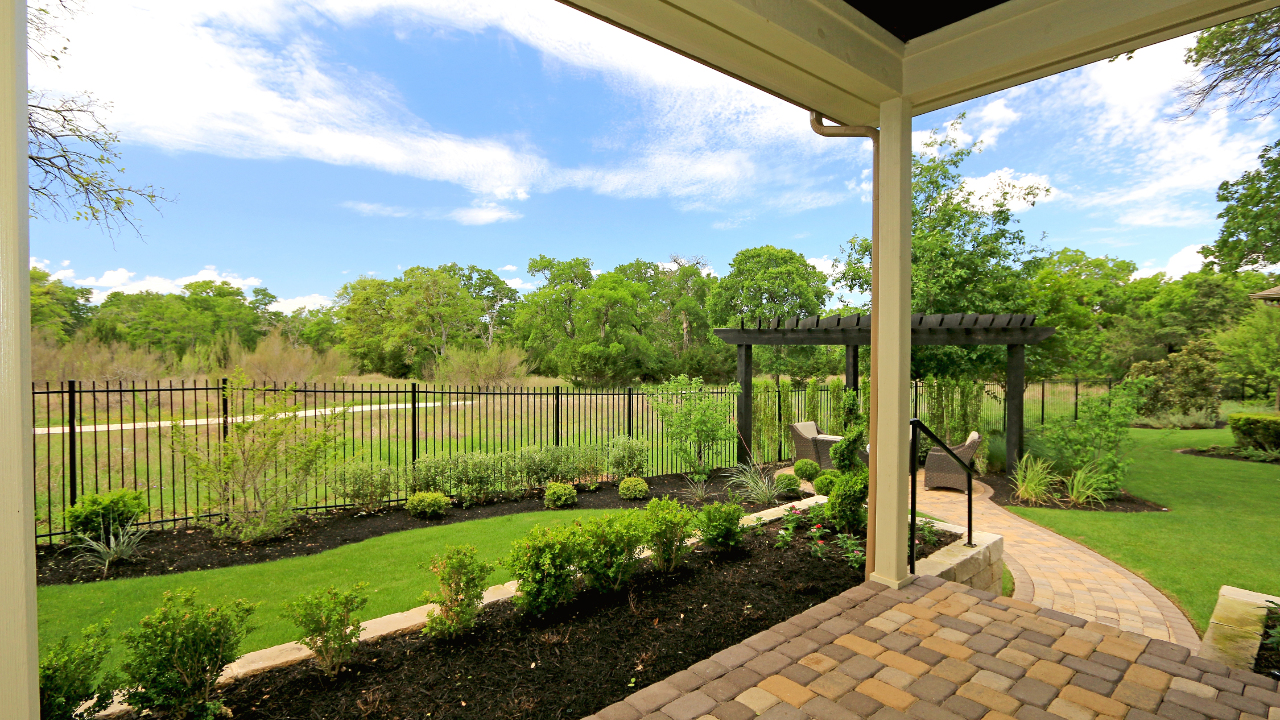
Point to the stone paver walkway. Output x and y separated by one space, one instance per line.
944 651
1053 572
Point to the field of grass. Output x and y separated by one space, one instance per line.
390 564
1221 528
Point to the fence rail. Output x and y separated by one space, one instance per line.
91 437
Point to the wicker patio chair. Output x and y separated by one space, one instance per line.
940 470
811 444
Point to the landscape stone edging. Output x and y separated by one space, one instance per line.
980 567
1235 629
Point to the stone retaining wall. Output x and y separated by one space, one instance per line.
980 567
1235 630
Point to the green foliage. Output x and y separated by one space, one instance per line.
670 526
807 469
57 309
1185 382
559 495
1250 348
177 653
207 314
770 424
462 584
254 476
1087 486
1248 236
609 549
475 478
628 457
952 408
755 485
787 484
542 562
852 549
427 504
1235 60
720 526
835 425
100 516
1034 480
694 418
1100 436
813 402
844 454
846 500
1261 432
696 489
927 531
328 624
823 484
633 488
366 486
71 675
120 544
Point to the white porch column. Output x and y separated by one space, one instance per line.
891 346
19 694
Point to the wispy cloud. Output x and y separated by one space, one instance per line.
309 302
483 213
1186 260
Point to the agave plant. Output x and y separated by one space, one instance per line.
754 484
119 544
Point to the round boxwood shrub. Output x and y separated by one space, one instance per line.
1255 430
807 469
787 484
98 516
427 504
559 495
845 503
823 484
633 488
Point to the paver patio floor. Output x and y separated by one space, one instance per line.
1053 572
944 651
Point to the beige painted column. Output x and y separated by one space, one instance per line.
891 346
19 694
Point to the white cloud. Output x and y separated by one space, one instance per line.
826 265
508 268
483 213
1186 260
310 302
121 280
991 187
992 119
520 284
736 221
369 209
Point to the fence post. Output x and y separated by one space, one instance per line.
73 460
556 416
1042 388
1077 403
631 396
226 410
780 432
413 420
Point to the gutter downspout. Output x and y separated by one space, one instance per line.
816 121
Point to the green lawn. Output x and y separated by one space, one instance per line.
390 564
1221 528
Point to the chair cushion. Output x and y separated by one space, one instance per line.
807 429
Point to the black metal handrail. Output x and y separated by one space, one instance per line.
917 427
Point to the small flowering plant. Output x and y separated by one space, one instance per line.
851 548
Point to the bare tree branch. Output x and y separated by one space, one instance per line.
1238 61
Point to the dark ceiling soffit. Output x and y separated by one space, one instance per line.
907 21
955 329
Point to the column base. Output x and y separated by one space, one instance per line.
892 583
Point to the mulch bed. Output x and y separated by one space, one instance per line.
1268 660
567 664
1002 493
1223 452
163 552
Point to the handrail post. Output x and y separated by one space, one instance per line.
914 463
968 483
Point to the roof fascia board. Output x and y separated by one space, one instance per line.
820 54
1023 40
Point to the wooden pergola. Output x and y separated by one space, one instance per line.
1015 332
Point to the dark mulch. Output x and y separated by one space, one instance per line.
1268 660
163 552
567 664
1224 452
1002 493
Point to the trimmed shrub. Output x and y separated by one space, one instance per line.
719 525
1261 432
823 484
609 549
787 484
845 503
670 525
627 457
559 495
99 516
71 675
633 488
366 486
542 563
178 652
807 469
462 583
844 454
326 618
427 504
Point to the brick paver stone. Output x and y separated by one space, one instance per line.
733 710
1051 673
786 690
989 698
895 677
833 686
886 694
1138 696
758 699
691 706
1031 691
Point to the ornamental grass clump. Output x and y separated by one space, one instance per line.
119 545
670 527
609 549
177 653
559 495
463 577
542 562
71 675
427 505
327 620
1034 480
755 485
1086 486
633 488
720 525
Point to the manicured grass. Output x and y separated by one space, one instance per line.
1006 582
390 564
1221 528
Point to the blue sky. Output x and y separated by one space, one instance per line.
309 143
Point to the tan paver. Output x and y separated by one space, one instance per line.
1053 572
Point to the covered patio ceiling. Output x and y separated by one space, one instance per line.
843 58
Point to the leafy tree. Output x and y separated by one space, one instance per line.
1250 349
694 418
493 293
208 313
549 316
57 309
1185 382
1238 62
1249 233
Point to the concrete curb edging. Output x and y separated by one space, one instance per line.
1235 629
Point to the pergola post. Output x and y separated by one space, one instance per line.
743 411
851 368
1014 386
19 650
891 349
